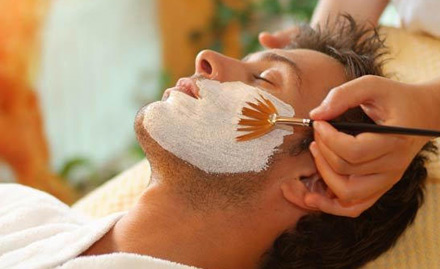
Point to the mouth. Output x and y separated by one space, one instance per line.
184 85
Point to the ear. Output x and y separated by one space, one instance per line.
295 189
300 178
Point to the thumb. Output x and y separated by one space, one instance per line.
361 91
269 40
279 39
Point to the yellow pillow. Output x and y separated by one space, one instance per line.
118 194
415 58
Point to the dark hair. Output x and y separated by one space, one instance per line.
327 241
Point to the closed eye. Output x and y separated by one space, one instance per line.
257 77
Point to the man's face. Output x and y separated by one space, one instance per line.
300 78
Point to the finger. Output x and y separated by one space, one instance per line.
279 39
349 188
269 41
334 181
381 164
285 37
348 95
356 149
365 186
336 207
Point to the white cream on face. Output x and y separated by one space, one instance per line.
203 131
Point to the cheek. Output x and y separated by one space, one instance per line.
309 99
294 166
302 107
203 131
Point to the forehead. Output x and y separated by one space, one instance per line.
318 74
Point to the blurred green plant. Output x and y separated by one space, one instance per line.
261 12
165 81
85 176
81 174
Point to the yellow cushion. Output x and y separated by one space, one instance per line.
415 58
118 194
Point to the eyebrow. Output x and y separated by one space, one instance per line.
273 57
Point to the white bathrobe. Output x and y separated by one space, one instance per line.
420 15
39 231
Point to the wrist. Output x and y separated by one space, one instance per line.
436 105
431 95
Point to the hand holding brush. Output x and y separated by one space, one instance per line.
360 169
261 117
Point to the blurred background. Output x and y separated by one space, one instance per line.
74 73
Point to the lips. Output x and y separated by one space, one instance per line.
185 85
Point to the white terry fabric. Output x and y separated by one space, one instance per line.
420 15
39 231
121 260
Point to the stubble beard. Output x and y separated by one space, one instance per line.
203 191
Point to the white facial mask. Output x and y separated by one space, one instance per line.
203 131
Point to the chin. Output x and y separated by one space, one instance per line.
161 161
142 135
192 182
138 120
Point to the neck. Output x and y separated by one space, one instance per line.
160 225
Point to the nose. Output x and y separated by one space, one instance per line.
208 64
213 65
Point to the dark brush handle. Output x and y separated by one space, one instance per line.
372 128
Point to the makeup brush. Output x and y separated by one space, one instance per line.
261 117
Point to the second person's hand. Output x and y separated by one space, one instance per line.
360 169
279 39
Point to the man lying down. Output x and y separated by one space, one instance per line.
214 202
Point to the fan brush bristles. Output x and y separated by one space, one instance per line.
258 119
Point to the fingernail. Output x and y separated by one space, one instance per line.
313 149
316 111
311 205
265 34
318 127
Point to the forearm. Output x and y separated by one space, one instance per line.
361 10
432 99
